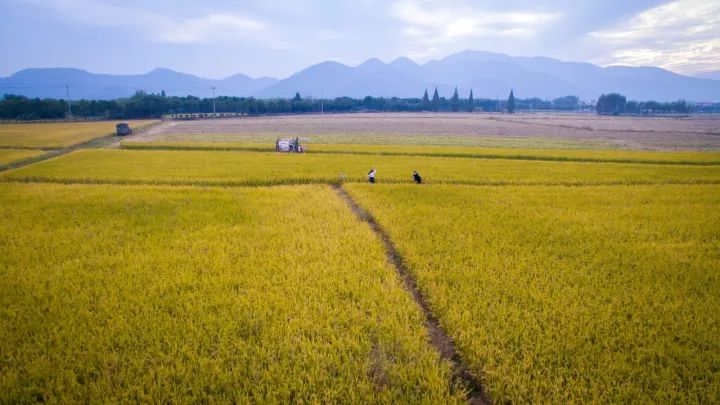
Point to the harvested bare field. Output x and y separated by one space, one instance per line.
478 129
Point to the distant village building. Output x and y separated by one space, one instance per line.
197 116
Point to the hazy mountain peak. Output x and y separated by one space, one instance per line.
48 71
161 70
165 72
372 62
404 62
328 63
475 56
238 76
488 74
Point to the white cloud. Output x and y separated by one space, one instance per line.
164 27
435 26
211 27
683 36
446 20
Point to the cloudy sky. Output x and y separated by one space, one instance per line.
278 37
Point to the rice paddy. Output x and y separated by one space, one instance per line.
252 168
209 268
57 135
8 156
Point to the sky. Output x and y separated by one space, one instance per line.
279 37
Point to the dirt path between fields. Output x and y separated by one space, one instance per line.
108 141
439 338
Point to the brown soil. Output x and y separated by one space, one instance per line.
650 133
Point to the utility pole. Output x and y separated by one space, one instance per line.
214 114
67 95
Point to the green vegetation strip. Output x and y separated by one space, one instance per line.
180 295
384 138
238 168
568 295
559 155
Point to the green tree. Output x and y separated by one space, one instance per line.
566 103
297 98
426 102
455 101
613 103
511 102
471 103
436 100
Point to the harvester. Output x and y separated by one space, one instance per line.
289 145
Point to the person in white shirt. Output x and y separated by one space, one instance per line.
371 176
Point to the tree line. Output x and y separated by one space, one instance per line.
148 105
617 104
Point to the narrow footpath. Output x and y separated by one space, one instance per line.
442 342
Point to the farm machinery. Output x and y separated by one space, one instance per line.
289 145
123 129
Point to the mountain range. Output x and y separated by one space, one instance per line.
489 75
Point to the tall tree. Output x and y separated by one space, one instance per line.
426 102
511 102
436 101
614 104
296 98
455 101
471 103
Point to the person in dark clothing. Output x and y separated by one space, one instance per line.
416 177
371 176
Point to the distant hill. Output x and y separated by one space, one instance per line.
710 75
490 75
51 83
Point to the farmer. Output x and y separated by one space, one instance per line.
371 176
416 177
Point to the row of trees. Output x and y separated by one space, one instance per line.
454 104
616 104
144 105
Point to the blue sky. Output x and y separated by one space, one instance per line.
276 38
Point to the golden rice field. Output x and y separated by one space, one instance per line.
557 295
58 135
149 295
153 273
8 156
253 168
617 156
